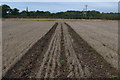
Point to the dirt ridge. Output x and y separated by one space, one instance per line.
61 53
27 64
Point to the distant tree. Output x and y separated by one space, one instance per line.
5 10
93 14
14 11
0 11
10 13
23 13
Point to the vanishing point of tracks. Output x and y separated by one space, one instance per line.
61 53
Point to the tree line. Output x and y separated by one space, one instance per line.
7 12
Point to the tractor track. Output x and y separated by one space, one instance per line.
28 65
61 53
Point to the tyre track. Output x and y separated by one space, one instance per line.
93 64
56 55
27 66
75 68
52 54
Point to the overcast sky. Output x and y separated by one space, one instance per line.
64 6
60 0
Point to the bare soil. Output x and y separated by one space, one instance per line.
102 36
18 37
90 58
61 53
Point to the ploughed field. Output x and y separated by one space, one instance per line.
37 49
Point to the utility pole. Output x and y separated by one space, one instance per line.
85 11
27 11
86 7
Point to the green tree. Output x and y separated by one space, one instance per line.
23 13
14 11
5 10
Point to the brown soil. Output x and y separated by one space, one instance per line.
28 65
61 53
90 58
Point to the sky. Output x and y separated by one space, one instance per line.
60 0
64 6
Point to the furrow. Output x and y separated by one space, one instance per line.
56 52
75 62
52 58
28 65
39 74
61 53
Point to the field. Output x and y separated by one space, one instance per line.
59 48
18 37
102 36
